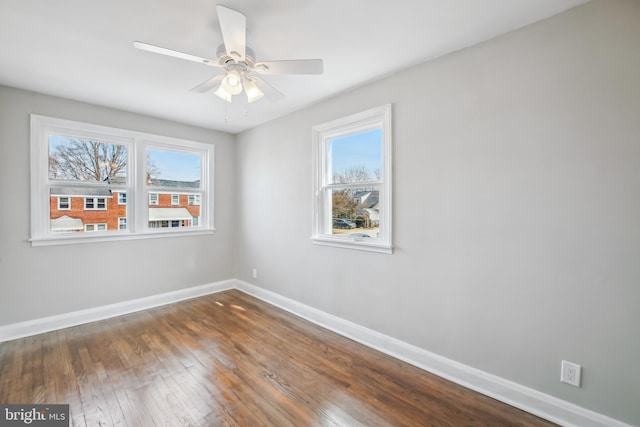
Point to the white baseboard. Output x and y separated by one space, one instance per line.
527 399
52 323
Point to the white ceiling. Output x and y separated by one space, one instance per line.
82 49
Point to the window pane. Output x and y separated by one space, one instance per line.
85 211
86 160
63 203
355 212
172 211
356 158
173 169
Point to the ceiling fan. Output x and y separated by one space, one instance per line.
237 60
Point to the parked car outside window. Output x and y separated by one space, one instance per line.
343 223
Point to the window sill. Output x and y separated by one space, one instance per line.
111 236
360 245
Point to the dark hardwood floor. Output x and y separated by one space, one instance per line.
230 359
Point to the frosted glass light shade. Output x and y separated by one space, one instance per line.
252 91
232 83
223 94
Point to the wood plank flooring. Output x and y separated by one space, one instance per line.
229 359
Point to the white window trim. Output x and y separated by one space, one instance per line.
136 189
95 204
172 197
120 193
68 202
120 218
379 117
106 228
157 197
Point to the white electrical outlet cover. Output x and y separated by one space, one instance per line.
570 373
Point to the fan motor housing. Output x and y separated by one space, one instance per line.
226 60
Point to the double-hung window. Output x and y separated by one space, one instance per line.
128 184
64 203
352 181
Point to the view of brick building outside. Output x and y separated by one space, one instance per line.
108 211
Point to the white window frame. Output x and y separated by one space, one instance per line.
193 200
175 196
155 196
322 134
95 204
95 227
136 186
120 197
122 220
68 208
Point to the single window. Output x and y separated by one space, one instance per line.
194 199
64 203
91 163
352 181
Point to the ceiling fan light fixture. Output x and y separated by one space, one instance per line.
232 83
222 93
237 63
252 91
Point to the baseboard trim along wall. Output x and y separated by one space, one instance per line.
527 399
53 323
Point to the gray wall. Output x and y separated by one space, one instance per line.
43 281
517 208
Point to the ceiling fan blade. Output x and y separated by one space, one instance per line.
174 53
269 91
207 85
296 66
234 31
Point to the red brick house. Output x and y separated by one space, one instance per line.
71 209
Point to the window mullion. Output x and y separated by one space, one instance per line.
349 185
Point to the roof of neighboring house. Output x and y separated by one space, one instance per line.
168 214
81 191
368 199
117 180
66 223
174 184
